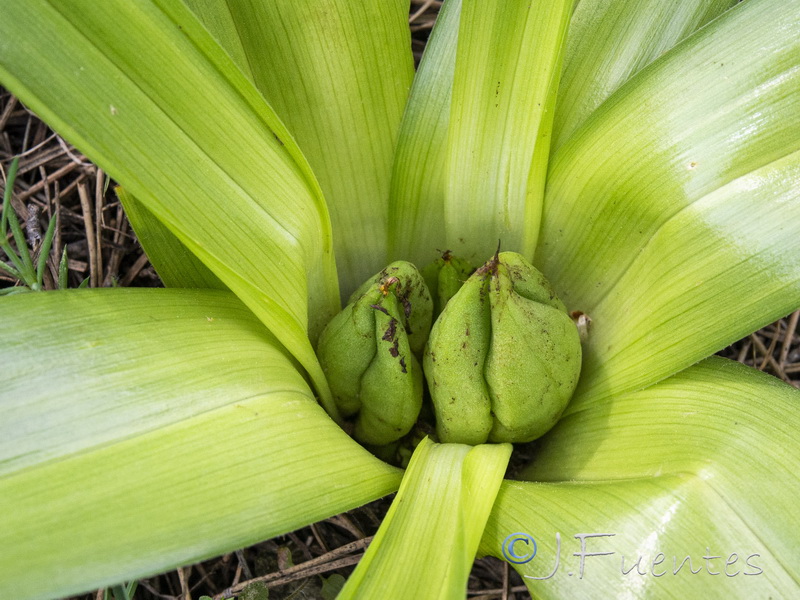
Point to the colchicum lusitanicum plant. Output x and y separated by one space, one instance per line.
643 156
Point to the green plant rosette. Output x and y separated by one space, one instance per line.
645 156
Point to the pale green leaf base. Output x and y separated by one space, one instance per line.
146 429
704 463
427 542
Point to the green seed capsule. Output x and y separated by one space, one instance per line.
391 388
503 358
444 277
453 363
368 350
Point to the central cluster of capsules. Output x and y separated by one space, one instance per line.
500 353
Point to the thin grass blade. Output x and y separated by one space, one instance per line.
23 252
44 251
10 270
21 258
11 176
63 270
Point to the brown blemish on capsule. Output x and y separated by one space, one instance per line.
380 308
390 331
406 305
390 335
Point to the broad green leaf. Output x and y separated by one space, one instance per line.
217 17
217 167
508 63
338 73
702 464
144 429
714 108
724 266
427 542
646 203
419 179
610 41
175 265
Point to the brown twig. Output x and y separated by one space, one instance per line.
99 223
320 540
425 6
494 593
769 358
505 581
6 115
773 343
185 594
788 337
37 187
329 561
346 523
91 240
133 272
